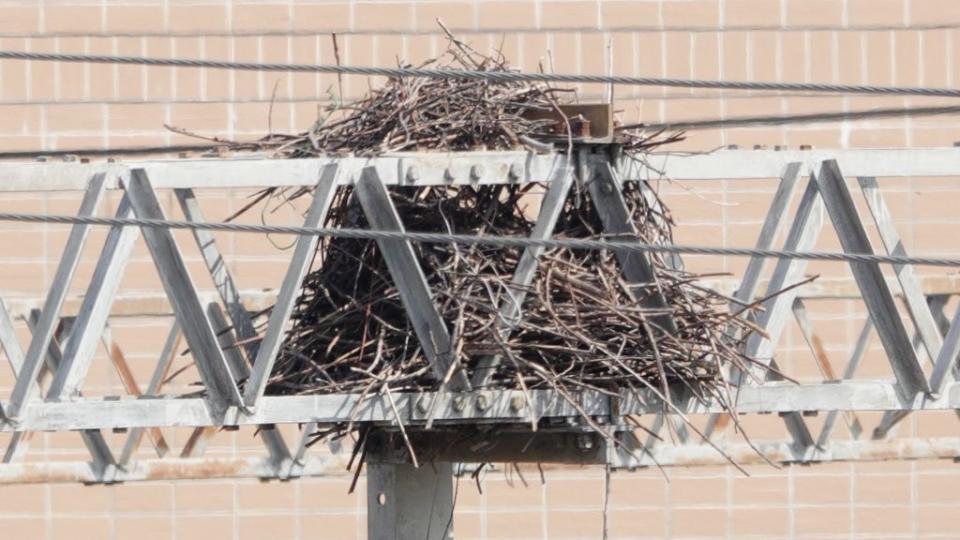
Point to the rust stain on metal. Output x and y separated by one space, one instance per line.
197 469
823 359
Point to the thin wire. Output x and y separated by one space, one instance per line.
108 152
504 241
496 30
812 118
499 76
692 125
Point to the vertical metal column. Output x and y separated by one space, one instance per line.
406 502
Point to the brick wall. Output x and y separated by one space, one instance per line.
62 106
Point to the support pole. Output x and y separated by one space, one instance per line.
404 501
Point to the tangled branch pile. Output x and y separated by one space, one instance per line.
581 328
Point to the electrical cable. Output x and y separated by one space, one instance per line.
612 244
499 76
690 125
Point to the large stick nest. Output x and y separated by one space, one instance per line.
582 325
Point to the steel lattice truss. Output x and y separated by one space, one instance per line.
50 370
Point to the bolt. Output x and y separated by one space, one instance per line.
516 171
483 402
806 147
448 175
476 173
422 405
413 175
607 187
516 402
459 403
584 442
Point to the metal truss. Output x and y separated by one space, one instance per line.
920 342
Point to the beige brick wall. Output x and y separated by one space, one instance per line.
61 106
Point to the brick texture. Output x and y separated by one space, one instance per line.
60 106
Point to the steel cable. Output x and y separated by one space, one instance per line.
499 76
611 243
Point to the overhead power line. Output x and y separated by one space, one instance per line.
812 118
500 76
431 29
503 241
690 125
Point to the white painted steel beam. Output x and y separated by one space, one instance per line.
219 273
510 308
221 387
876 295
911 290
694 455
334 466
454 168
772 397
303 254
637 266
748 164
411 282
773 224
160 470
25 386
95 307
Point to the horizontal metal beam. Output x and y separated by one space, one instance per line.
493 406
419 168
334 465
422 168
748 164
155 303
166 469
760 453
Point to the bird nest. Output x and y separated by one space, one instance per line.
581 326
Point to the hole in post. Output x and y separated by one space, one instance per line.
382 498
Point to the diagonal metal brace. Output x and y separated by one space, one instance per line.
23 390
217 266
92 318
303 255
410 280
511 307
876 294
221 389
605 190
